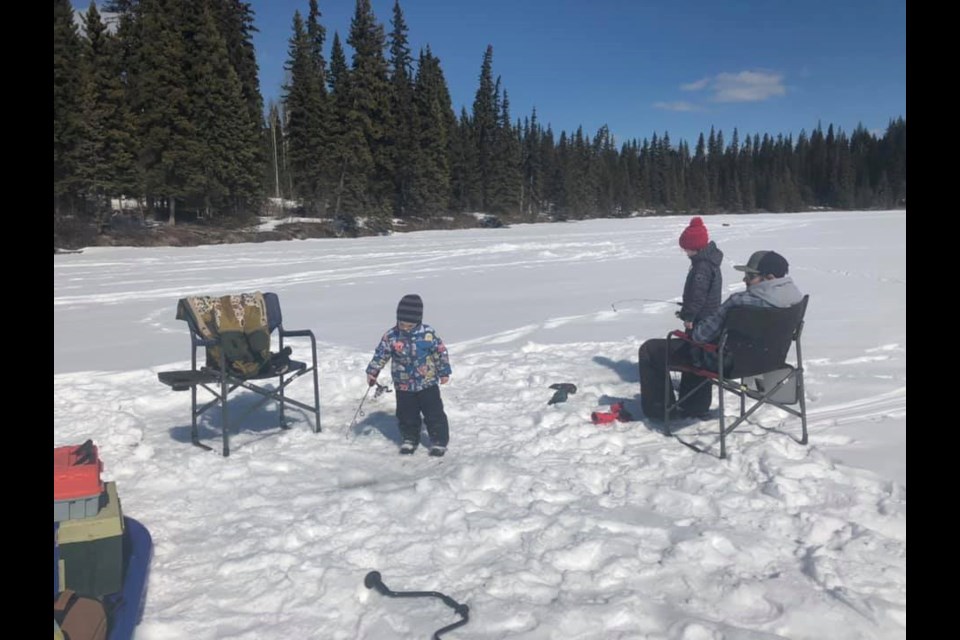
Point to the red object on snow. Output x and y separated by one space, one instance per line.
76 472
617 412
602 417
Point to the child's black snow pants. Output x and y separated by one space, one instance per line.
410 404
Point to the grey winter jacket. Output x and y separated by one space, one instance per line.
779 292
701 292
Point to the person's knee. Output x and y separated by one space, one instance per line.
652 350
643 353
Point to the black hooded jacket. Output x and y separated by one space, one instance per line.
701 292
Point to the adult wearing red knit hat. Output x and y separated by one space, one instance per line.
695 236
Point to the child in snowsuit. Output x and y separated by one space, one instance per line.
701 298
420 365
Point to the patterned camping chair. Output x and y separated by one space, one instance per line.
235 332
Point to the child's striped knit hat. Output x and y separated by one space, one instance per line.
410 309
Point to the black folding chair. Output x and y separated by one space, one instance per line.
220 381
752 363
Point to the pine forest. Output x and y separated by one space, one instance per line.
158 111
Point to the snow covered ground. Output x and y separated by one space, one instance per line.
544 524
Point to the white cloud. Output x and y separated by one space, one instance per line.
745 86
748 86
696 86
677 106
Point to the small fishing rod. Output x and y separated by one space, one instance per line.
381 389
613 305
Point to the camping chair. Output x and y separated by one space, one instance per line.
218 379
751 357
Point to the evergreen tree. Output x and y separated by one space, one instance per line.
484 123
791 187
845 174
771 196
669 174
127 51
235 23
68 127
655 174
562 183
337 77
403 130
503 191
273 146
580 186
734 197
169 154
325 169
718 185
630 170
368 115
680 163
351 156
745 177
609 193
107 154
317 34
892 151
862 144
532 167
830 169
226 175
699 193
714 158
431 189
817 168
801 156
552 172
645 176
303 104
465 166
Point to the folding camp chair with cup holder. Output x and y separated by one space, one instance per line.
220 381
751 363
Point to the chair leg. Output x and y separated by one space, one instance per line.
667 388
667 407
803 406
283 419
224 421
194 414
316 391
723 423
194 431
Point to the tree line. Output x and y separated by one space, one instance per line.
163 106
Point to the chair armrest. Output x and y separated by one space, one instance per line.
296 333
682 335
203 342
301 333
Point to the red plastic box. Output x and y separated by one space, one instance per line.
76 472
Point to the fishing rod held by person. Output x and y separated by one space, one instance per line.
613 305
381 389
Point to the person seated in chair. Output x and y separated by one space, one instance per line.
768 285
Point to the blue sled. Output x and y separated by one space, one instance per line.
127 606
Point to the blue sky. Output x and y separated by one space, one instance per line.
680 66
